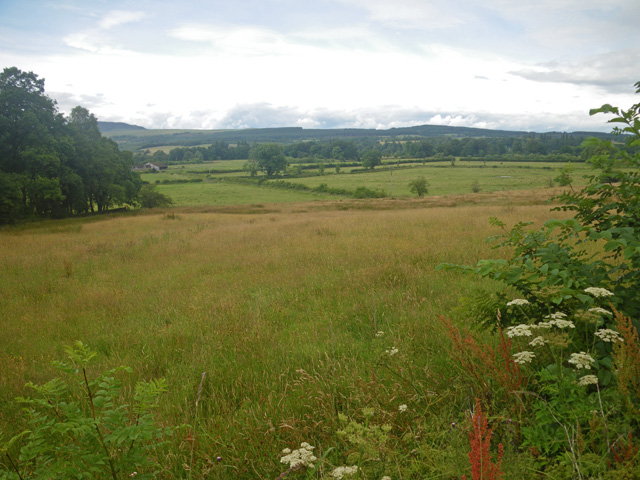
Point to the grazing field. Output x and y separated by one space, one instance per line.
280 305
443 179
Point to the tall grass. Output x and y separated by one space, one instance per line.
280 310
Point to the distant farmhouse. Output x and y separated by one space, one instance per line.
149 167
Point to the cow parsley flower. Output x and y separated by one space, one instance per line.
518 301
402 408
521 330
598 292
600 310
523 357
303 456
538 341
343 471
392 351
542 325
556 316
588 380
608 335
562 323
581 360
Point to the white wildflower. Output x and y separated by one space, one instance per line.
379 334
518 302
542 325
521 330
588 380
556 316
342 471
402 408
608 335
523 357
598 292
386 477
581 360
562 323
537 342
600 310
392 351
303 456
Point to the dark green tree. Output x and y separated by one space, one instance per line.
269 157
371 158
419 186
152 198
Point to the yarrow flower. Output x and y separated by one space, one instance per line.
608 335
521 330
581 360
379 333
537 341
392 351
588 380
518 302
600 310
342 471
386 477
598 292
402 408
542 325
557 316
303 456
523 357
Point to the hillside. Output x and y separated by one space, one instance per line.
131 137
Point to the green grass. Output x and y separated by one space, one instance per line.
279 309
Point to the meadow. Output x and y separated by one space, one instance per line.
291 309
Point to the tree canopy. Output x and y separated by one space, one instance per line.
52 166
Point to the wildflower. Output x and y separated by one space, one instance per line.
600 310
543 325
598 292
521 330
386 477
581 360
557 316
518 302
303 456
342 471
392 351
588 380
608 335
379 334
523 357
562 323
537 341
402 408
368 412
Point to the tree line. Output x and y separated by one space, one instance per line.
52 165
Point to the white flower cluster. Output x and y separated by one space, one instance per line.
608 335
538 341
303 456
598 292
379 334
523 357
343 471
600 310
562 323
556 316
386 477
521 330
392 351
402 408
588 380
581 360
518 302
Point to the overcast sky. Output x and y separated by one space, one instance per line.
510 64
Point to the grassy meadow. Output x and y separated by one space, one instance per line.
442 177
279 303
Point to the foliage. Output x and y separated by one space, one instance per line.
269 157
419 186
371 159
151 198
79 427
51 166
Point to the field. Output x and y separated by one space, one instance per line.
442 177
279 303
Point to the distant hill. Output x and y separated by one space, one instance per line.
108 127
131 137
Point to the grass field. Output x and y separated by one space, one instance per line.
442 177
279 304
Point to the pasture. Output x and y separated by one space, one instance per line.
280 304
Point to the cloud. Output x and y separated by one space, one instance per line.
120 17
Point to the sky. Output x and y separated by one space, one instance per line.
500 64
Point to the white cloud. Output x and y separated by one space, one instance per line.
116 18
